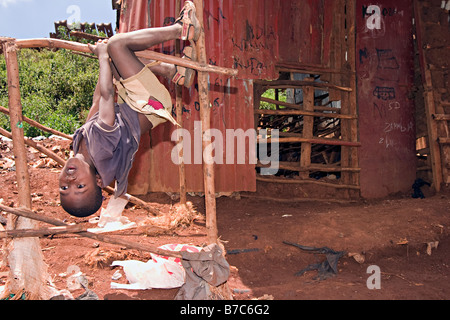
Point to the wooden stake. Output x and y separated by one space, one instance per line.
27 267
205 115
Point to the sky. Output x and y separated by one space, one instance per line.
24 19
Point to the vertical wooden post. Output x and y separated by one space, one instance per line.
205 115
308 130
179 108
352 109
28 271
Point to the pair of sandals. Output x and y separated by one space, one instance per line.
190 31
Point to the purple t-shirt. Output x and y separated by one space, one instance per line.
112 148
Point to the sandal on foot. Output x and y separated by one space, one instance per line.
185 76
189 22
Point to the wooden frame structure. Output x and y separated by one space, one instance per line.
337 77
24 212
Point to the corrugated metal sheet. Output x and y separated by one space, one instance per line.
243 35
385 72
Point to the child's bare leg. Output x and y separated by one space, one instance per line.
122 48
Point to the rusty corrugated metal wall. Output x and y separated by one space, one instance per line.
385 70
243 35
258 37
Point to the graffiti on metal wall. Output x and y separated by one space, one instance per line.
380 68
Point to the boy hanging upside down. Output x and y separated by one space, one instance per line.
105 146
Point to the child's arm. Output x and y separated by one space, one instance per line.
105 84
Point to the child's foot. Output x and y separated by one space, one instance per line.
185 76
189 22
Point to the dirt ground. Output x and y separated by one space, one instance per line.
393 234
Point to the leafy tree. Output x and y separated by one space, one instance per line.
56 89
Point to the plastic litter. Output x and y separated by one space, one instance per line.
326 268
159 272
111 218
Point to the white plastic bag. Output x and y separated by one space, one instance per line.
161 274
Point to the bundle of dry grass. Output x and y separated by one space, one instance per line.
179 216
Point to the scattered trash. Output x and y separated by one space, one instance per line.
205 271
432 245
402 241
327 268
159 272
417 185
237 251
265 297
360 258
117 275
111 218
241 291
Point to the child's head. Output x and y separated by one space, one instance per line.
80 188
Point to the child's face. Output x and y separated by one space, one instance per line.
76 181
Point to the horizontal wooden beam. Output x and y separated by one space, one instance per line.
284 112
441 117
305 181
333 142
24 212
286 84
443 140
25 233
147 54
295 166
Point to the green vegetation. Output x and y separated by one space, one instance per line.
271 95
56 89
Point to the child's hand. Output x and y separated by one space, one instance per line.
100 48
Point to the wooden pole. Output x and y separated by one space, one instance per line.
308 128
179 109
147 54
24 212
205 115
28 271
26 233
